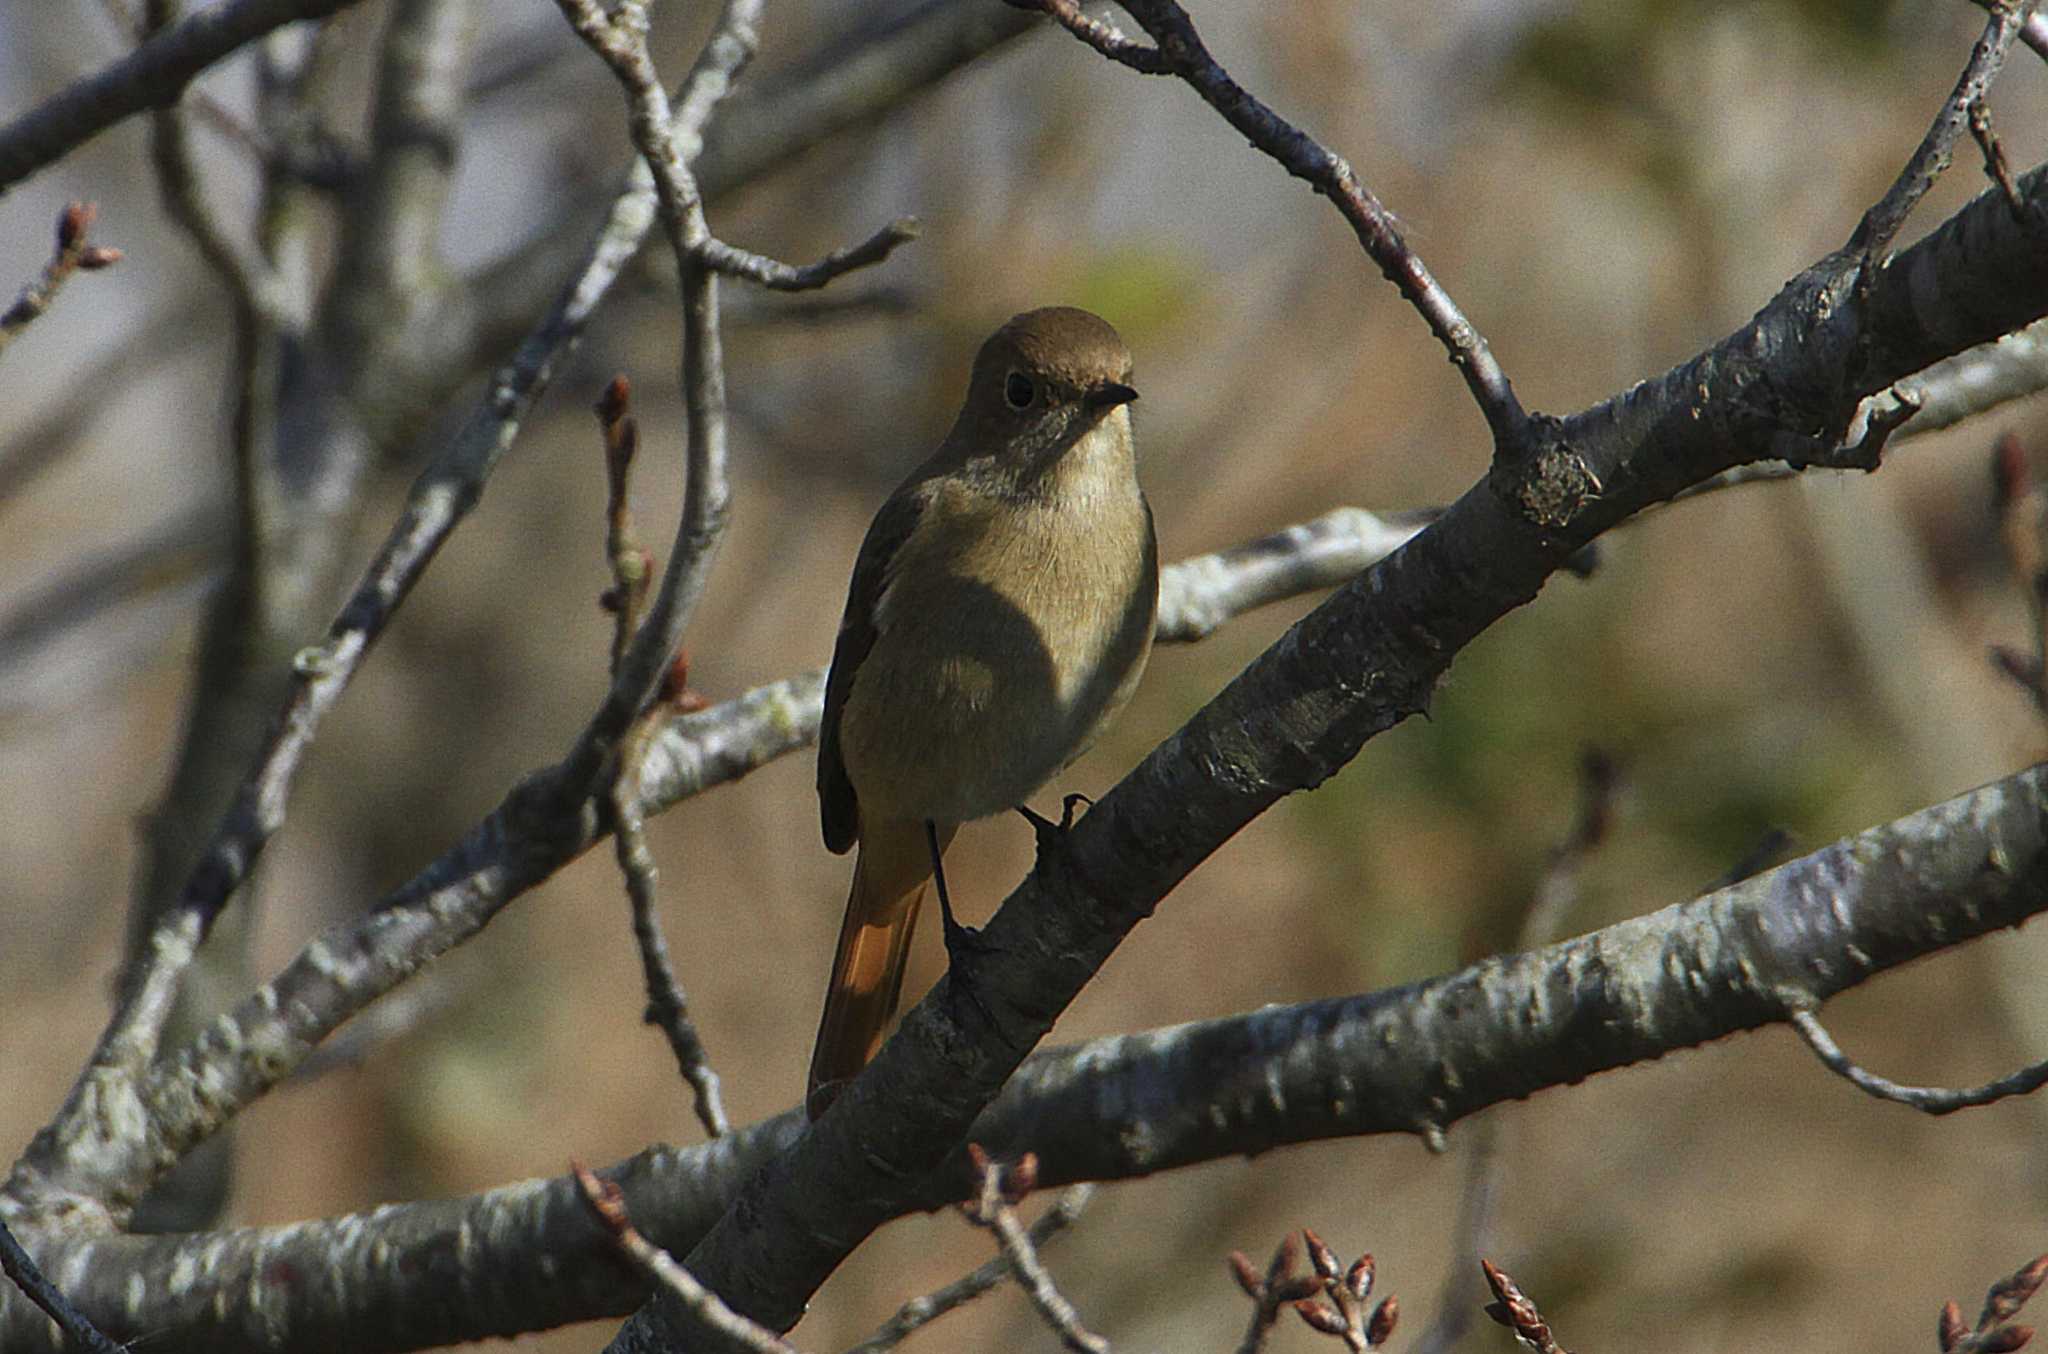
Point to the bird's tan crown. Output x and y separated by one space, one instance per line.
1072 346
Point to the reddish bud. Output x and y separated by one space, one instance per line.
1241 1270
1281 1266
1321 1318
617 398
73 221
1021 1178
99 256
2009 1295
2010 474
1294 1288
1949 1329
2005 1339
1358 1282
1321 1256
1383 1320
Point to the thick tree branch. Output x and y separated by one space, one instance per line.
1362 662
1414 1059
1367 657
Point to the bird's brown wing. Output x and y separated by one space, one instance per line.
838 810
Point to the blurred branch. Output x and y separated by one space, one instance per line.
1412 1059
396 312
174 554
74 253
151 76
247 277
1180 52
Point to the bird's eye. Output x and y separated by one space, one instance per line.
1019 390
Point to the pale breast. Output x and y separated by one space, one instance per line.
1005 638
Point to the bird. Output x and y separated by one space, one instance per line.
1000 613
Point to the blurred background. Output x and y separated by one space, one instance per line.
1604 187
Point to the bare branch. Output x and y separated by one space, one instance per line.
632 571
609 1204
993 1207
778 276
921 1311
659 134
151 76
1407 1060
1103 36
1880 225
74 1148
1929 1099
1180 52
1995 166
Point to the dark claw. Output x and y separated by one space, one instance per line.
1049 832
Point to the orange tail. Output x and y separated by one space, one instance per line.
889 880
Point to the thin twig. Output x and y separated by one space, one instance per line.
620 39
778 276
1273 1292
1880 225
609 1204
16 1263
1103 36
667 1008
1994 158
74 253
994 1208
1180 52
923 1310
1930 1099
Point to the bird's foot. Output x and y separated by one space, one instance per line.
1049 833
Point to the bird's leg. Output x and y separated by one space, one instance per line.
958 937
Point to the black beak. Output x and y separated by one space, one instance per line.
1109 395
